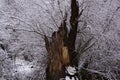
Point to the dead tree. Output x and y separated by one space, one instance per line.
61 46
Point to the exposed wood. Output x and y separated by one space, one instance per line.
58 55
61 46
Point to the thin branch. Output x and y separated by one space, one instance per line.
34 31
54 21
13 17
51 15
94 71
37 25
60 9
89 47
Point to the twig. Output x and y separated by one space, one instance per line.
60 9
21 20
51 15
94 71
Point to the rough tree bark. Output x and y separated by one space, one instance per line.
61 46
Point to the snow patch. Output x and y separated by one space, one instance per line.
23 67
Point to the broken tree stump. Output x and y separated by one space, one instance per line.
61 46
62 61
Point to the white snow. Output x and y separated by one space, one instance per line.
23 67
71 70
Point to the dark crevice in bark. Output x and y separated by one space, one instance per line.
73 31
74 24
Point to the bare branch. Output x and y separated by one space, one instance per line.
60 9
13 17
94 71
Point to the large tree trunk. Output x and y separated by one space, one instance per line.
61 46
